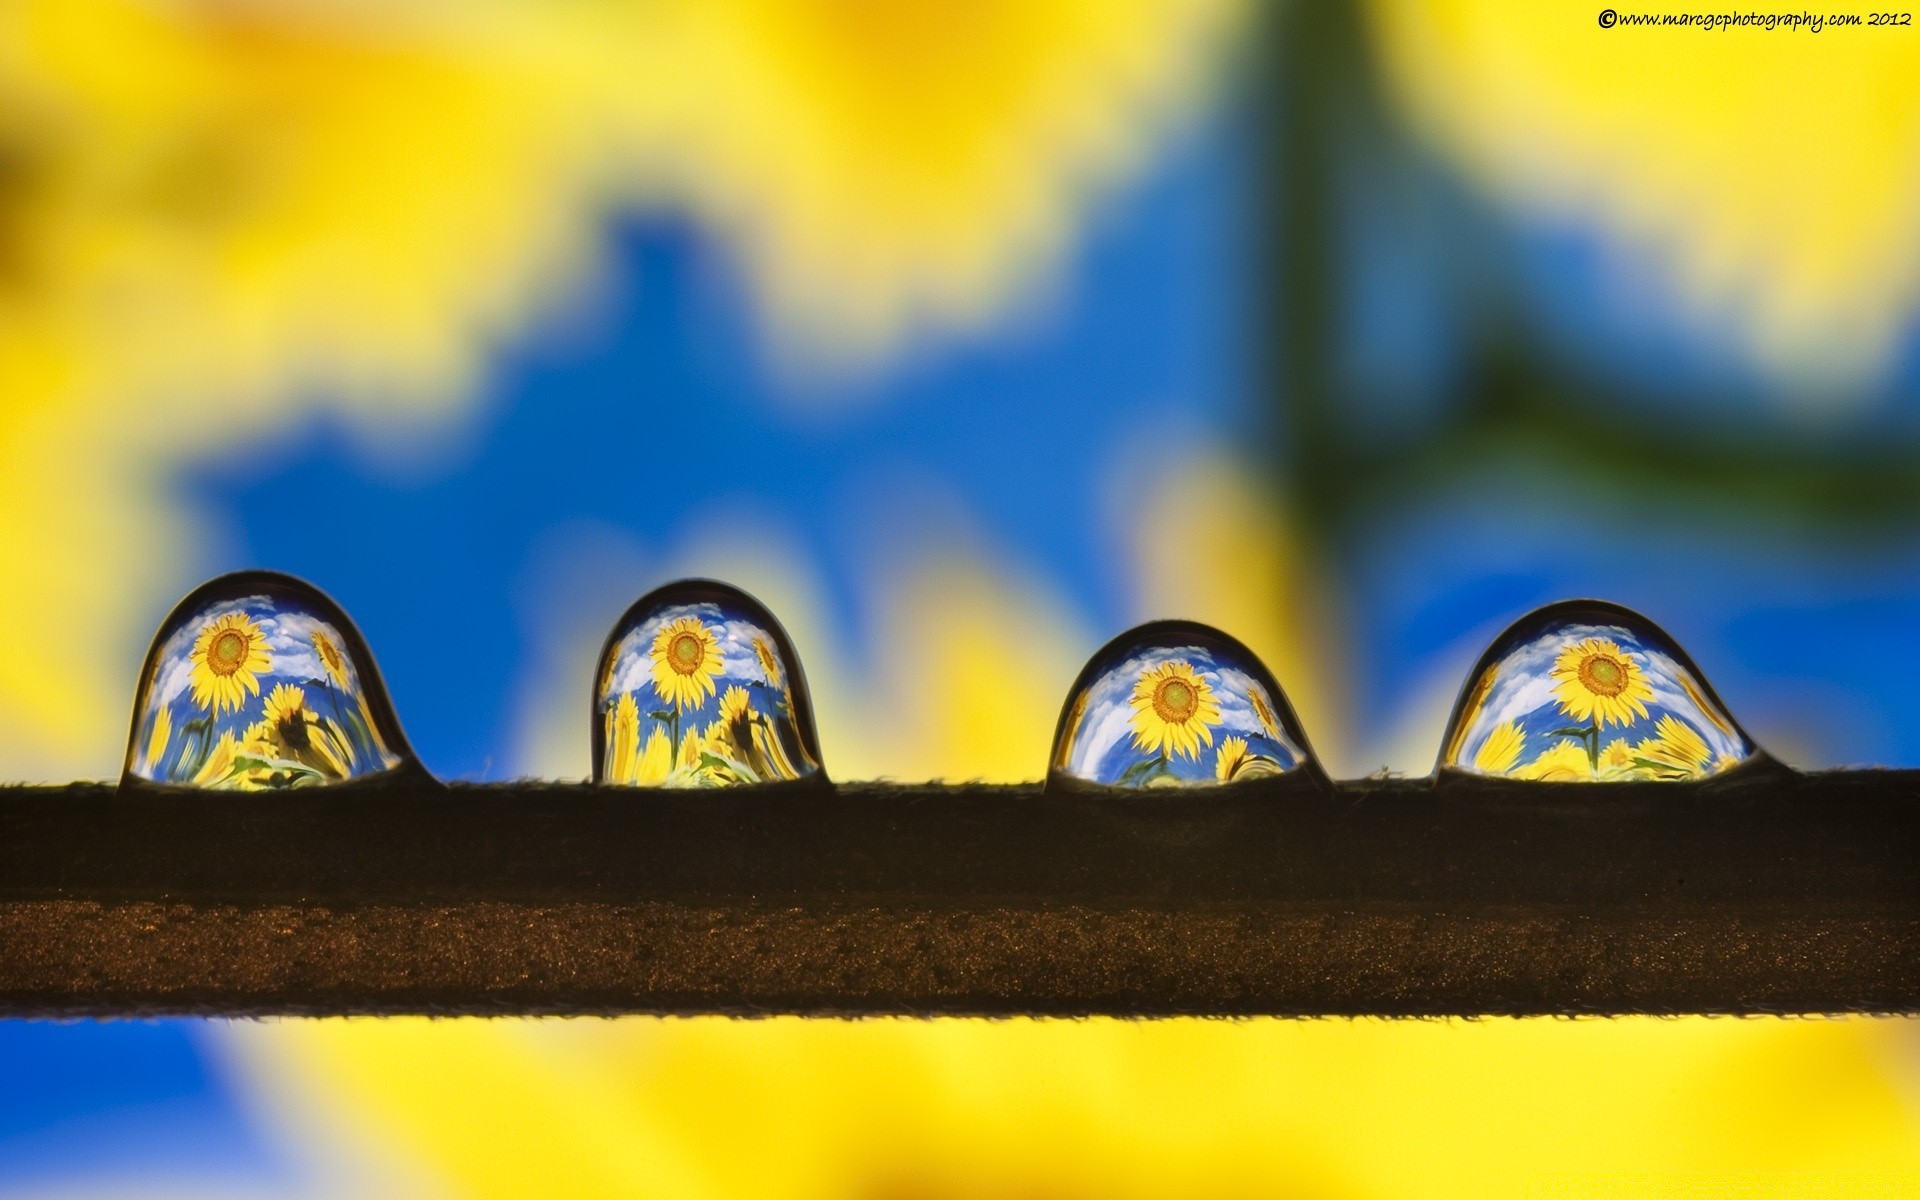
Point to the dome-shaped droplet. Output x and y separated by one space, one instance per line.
1176 704
257 682
699 687
1583 692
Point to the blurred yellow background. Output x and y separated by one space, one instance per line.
963 336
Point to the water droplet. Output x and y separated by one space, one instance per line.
1586 691
1176 704
256 682
699 687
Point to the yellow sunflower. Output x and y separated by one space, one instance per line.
234 166
717 740
1501 750
623 741
1070 729
1616 755
332 661
1565 762
157 738
1765 183
1707 708
1264 712
228 657
1233 762
769 661
379 744
758 748
606 675
1600 682
734 705
257 740
1232 752
1469 712
286 706
1676 747
905 164
656 761
767 756
686 658
219 764
298 734
1174 710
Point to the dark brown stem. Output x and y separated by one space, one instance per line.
1763 892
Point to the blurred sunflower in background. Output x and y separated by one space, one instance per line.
1565 761
220 222
1675 749
1263 711
623 740
1766 180
218 767
1616 755
1501 750
1233 762
735 705
332 661
158 736
297 733
769 662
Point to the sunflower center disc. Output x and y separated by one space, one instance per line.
226 653
1175 701
1603 676
686 654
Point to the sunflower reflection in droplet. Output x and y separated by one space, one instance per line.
1587 692
1175 704
699 687
256 682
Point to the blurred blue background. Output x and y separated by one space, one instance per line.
964 347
